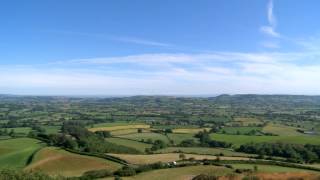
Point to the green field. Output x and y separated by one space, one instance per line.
238 140
177 138
129 143
54 161
15 153
146 136
203 150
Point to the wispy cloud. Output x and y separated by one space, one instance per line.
142 41
124 39
270 28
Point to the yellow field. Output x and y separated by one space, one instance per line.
54 161
281 130
189 130
169 157
122 127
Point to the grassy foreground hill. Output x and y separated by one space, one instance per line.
17 153
55 161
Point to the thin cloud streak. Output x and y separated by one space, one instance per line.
124 39
272 22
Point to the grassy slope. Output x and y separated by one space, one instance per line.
129 143
55 161
14 153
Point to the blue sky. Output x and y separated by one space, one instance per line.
125 47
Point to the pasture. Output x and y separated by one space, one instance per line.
129 143
54 161
15 153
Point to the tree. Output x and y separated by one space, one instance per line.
139 130
182 156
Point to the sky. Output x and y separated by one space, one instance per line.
159 47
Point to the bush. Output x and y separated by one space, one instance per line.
97 173
126 171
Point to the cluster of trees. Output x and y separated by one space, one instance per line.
157 144
6 132
293 152
206 141
75 136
